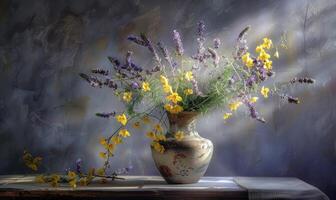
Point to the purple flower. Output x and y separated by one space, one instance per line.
253 113
251 80
178 42
79 165
217 43
165 53
201 31
136 40
135 85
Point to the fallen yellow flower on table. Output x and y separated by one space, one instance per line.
264 91
39 179
127 96
124 133
179 135
122 119
145 87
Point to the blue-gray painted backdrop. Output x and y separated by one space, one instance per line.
47 109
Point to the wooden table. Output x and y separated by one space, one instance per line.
134 187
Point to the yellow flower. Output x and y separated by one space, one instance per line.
83 181
160 137
124 133
158 147
151 135
247 60
127 96
110 148
102 155
145 87
103 141
122 119
176 109
136 125
158 128
164 80
55 180
73 183
245 57
259 48
146 119
179 135
71 175
167 88
267 43
101 172
227 116
188 91
168 107
254 99
174 97
116 140
235 105
264 91
276 54
39 179
263 55
188 75
268 65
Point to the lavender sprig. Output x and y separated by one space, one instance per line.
214 56
93 81
165 53
178 43
136 40
106 115
100 71
253 112
302 80
217 43
241 43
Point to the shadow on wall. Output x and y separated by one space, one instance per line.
46 108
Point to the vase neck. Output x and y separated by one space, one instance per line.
184 121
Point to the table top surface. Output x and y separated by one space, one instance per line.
148 187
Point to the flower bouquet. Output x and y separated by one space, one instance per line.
169 96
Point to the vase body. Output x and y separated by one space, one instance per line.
183 161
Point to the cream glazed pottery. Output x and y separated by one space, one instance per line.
187 160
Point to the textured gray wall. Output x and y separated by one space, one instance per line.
47 109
